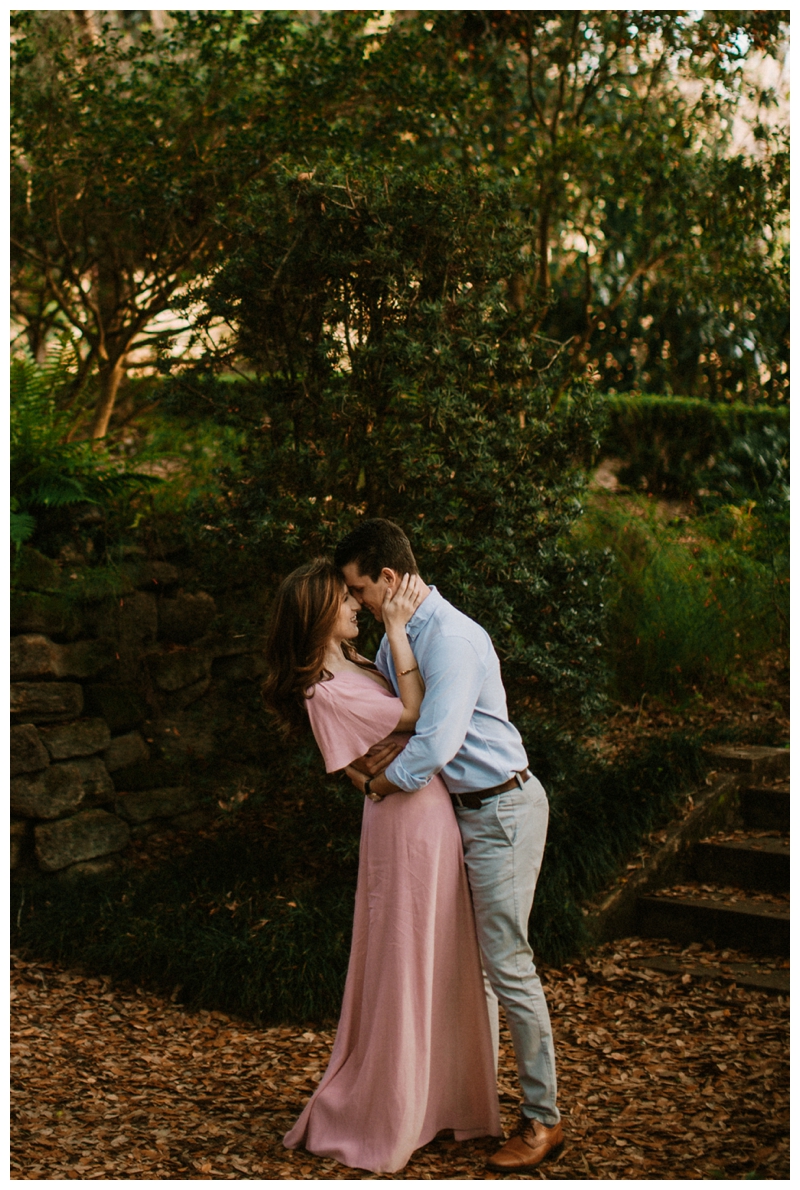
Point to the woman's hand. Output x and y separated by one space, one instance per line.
398 609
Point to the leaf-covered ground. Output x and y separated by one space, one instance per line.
752 708
661 1076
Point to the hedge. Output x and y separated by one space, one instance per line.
672 445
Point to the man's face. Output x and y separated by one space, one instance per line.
369 592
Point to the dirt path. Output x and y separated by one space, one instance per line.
659 1078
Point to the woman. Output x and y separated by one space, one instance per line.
413 1052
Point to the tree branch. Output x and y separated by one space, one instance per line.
591 322
595 80
540 116
562 80
62 305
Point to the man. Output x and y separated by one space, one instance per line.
464 734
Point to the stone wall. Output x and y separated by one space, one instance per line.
131 713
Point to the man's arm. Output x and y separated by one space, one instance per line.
454 675
377 758
380 784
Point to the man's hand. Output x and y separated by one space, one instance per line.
379 756
356 776
380 785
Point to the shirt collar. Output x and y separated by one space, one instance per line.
423 613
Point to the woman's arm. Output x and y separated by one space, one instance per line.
397 611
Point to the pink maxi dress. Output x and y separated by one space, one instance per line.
413 1052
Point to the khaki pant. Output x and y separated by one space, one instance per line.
503 846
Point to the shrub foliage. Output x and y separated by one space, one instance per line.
688 602
388 372
678 446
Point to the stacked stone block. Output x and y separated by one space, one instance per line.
62 796
83 782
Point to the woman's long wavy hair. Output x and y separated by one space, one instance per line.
303 617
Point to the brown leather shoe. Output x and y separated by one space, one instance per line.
528 1147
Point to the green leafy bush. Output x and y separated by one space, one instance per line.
680 446
216 925
687 601
599 814
754 466
389 373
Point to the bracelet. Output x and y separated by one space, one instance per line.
373 797
403 672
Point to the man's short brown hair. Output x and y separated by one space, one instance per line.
375 544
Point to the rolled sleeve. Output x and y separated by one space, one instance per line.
453 675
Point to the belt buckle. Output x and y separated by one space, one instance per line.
472 801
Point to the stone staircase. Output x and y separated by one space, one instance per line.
733 886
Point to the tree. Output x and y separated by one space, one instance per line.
126 149
124 152
383 371
658 249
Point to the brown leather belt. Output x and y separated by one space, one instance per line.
474 801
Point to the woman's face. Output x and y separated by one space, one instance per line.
346 627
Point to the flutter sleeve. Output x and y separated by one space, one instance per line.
348 715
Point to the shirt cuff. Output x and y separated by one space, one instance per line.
400 776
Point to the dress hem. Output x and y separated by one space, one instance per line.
460 1134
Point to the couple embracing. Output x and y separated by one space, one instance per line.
451 845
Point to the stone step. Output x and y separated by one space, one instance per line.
756 926
765 807
760 763
754 863
748 975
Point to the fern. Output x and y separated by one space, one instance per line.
47 471
22 525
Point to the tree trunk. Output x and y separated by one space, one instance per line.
543 237
110 376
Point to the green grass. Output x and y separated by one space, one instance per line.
257 922
688 601
232 925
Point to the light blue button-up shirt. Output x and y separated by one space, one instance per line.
463 730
